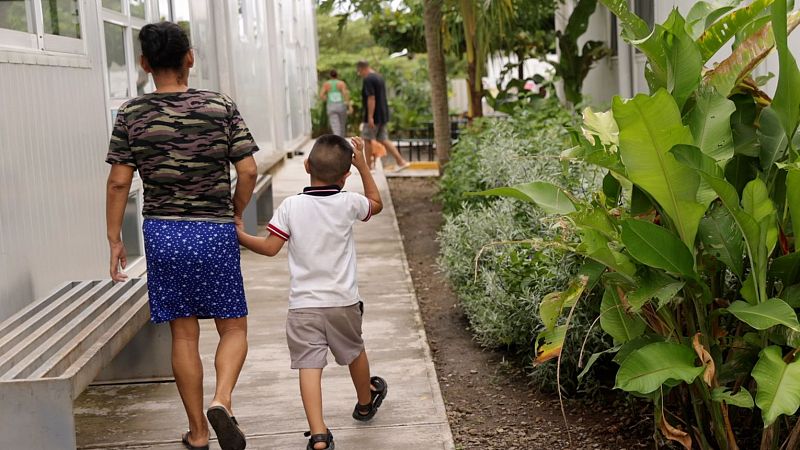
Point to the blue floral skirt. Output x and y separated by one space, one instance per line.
193 269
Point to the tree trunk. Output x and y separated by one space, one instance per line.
437 73
475 90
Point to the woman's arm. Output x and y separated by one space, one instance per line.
345 92
117 189
246 175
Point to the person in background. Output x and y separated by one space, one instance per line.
336 96
182 141
376 115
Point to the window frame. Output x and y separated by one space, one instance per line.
37 41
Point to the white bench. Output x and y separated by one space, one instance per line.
260 208
54 348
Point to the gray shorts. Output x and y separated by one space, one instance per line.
379 132
310 332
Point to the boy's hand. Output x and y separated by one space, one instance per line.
237 220
358 153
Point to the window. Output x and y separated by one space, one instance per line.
646 10
116 61
613 41
122 20
16 15
51 25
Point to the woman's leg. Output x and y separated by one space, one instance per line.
333 120
188 371
231 353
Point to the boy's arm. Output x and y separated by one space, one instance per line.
370 188
269 246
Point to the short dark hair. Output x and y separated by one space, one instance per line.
330 158
362 64
164 44
333 73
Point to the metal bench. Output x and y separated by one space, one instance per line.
54 348
259 210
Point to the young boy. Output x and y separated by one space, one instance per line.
325 307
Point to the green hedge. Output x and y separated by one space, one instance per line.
500 292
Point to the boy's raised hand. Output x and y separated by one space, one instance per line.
359 161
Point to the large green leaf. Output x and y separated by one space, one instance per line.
684 64
653 284
637 32
793 201
786 268
725 28
749 54
649 127
786 101
710 122
616 321
723 239
594 245
750 228
552 199
743 126
647 368
742 399
551 305
656 247
765 315
772 138
778 385
756 203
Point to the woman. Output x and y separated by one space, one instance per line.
182 141
337 98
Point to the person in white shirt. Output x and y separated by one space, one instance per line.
325 308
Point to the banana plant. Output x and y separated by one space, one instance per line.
694 226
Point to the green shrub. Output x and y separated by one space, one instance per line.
496 152
501 299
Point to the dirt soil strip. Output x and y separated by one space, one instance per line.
488 400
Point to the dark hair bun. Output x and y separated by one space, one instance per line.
164 44
333 73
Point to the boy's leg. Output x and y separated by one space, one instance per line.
188 371
229 359
359 373
311 392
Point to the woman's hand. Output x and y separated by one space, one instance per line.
119 260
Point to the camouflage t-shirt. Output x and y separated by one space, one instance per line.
182 144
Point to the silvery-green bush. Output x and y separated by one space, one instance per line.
501 294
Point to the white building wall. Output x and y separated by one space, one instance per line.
54 129
53 138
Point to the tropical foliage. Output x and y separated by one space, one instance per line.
696 225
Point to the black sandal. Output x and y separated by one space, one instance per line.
314 439
185 442
229 435
366 412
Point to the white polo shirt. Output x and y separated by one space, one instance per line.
318 227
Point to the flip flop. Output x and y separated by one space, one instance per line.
403 167
229 435
185 442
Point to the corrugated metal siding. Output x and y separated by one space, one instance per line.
52 142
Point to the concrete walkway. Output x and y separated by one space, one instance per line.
267 400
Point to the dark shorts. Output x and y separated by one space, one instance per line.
310 332
193 269
376 133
